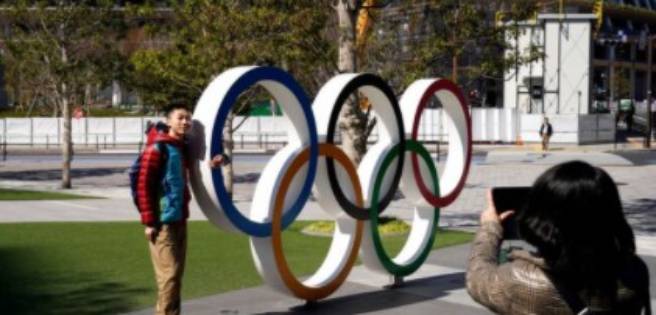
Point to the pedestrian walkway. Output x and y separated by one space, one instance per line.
555 157
633 171
438 287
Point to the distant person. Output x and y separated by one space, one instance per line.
585 261
629 117
545 133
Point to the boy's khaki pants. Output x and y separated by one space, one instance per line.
168 255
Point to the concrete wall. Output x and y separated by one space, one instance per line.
552 64
563 73
575 65
570 128
565 128
596 128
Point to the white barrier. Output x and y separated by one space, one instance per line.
570 128
489 125
85 131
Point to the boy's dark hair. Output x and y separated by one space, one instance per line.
175 104
574 218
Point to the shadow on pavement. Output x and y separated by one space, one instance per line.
246 178
471 219
641 214
89 173
638 157
25 289
55 174
411 292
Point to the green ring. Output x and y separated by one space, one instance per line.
386 261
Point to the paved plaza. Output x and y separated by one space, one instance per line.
438 287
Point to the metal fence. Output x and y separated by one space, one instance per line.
488 125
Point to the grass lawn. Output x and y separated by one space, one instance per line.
105 268
7 194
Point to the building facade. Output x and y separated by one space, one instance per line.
595 68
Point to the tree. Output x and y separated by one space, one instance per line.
204 38
24 81
422 38
355 121
458 39
60 46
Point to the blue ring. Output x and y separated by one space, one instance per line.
244 82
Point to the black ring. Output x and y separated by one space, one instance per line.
366 79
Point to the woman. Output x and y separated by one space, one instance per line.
585 261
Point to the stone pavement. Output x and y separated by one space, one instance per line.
437 288
634 172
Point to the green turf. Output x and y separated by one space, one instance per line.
105 268
386 226
7 194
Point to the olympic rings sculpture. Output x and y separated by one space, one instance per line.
350 195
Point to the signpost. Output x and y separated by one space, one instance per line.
78 113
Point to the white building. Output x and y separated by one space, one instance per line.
558 85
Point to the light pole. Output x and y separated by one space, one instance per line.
605 85
647 143
612 40
650 47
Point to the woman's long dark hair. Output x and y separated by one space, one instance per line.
574 218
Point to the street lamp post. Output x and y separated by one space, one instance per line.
650 39
647 143
612 41
611 75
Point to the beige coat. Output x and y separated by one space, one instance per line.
522 286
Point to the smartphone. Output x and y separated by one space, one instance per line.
510 198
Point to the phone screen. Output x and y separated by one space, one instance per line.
510 198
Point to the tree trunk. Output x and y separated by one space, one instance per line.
352 121
228 145
454 69
88 98
67 145
346 20
56 109
17 95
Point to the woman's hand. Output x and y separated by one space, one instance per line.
490 212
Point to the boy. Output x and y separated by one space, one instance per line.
163 197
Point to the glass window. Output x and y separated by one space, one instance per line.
600 51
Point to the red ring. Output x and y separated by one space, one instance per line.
438 201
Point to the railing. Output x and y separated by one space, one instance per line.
264 133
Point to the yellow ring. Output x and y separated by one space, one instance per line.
297 287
